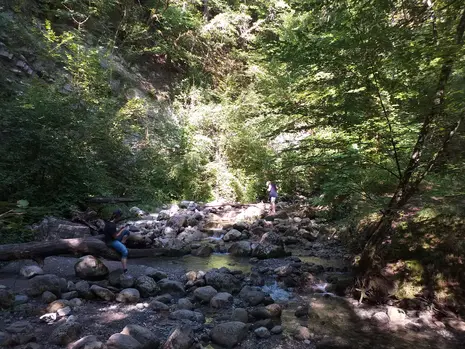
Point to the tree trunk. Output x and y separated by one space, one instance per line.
76 247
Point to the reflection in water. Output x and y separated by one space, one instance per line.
276 292
335 263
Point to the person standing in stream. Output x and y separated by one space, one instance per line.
273 195
117 239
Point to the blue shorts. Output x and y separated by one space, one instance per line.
119 246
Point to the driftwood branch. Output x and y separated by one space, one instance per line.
76 247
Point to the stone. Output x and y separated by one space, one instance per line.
277 330
222 300
52 229
20 299
265 251
155 274
83 343
7 298
102 293
223 282
70 295
274 309
65 333
58 304
381 318
75 302
41 283
128 295
144 336
260 313
252 295
91 268
71 286
83 289
181 338
232 235
205 294
202 251
240 249
29 271
302 333
190 315
177 221
396 314
184 303
20 327
165 298
147 286
229 334
49 317
159 306
262 332
113 277
126 281
64 311
240 314
302 310
174 288
122 341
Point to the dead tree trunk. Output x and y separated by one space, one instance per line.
75 247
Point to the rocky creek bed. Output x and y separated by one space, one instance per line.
244 297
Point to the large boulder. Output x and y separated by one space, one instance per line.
221 300
252 295
122 341
65 334
102 292
229 334
155 274
202 251
87 342
29 271
144 336
83 290
174 288
190 235
184 314
128 295
147 286
240 248
7 298
118 278
42 283
205 294
52 229
177 221
265 251
91 268
181 338
232 235
223 282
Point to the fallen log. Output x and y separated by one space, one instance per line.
107 200
75 247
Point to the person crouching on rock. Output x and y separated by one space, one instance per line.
117 239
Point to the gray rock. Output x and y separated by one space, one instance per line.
70 295
126 281
252 295
86 342
184 303
177 221
90 268
222 282
20 327
83 289
155 274
205 294
229 334
396 314
128 295
145 337
71 286
275 310
262 332
202 251
265 251
302 310
190 315
6 339
260 313
381 318
241 226
163 215
21 299
30 271
174 288
122 341
165 298
42 283
240 314
181 338
221 300
75 302
232 235
7 298
147 286
159 306
240 248
64 311
277 330
302 333
65 334
52 229
102 293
